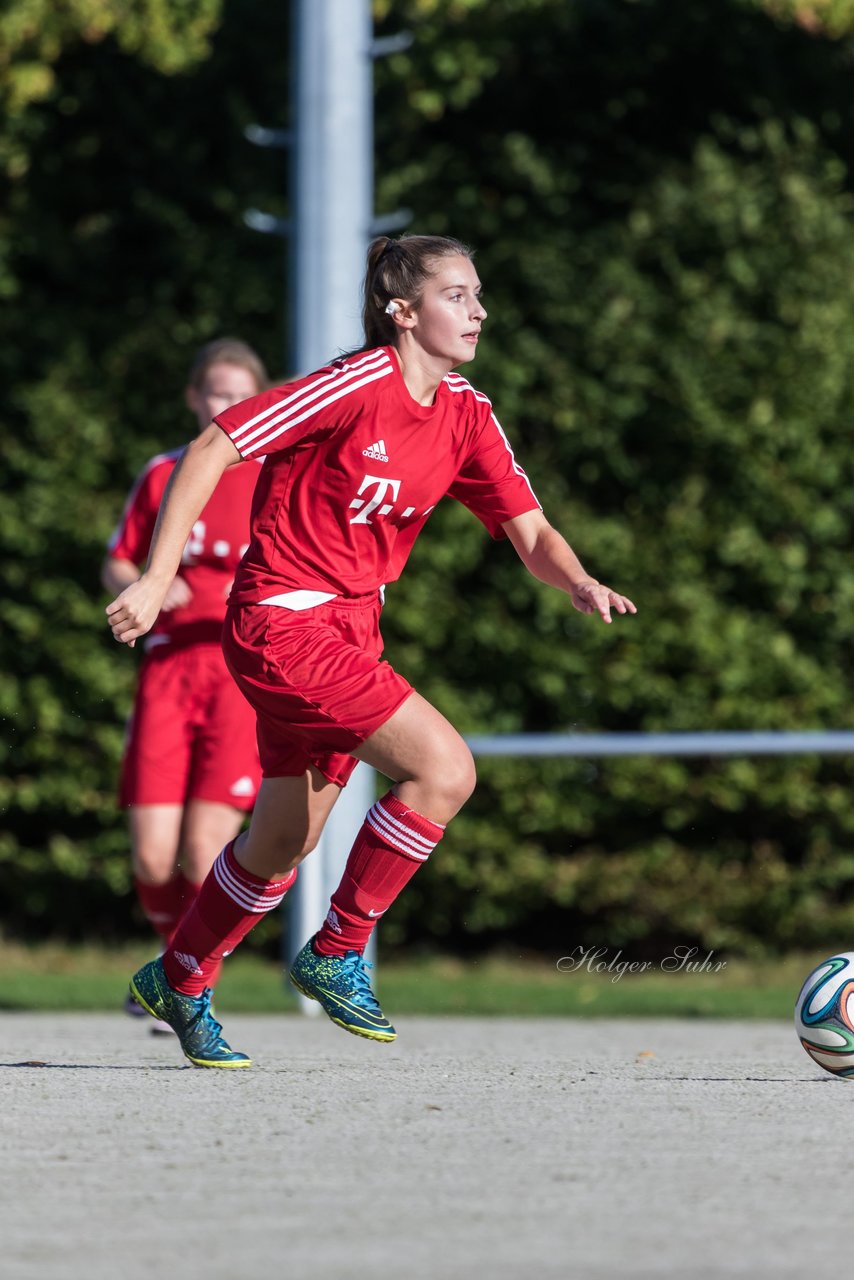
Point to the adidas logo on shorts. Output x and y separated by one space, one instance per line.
376 451
242 787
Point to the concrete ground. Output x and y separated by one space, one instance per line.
507 1149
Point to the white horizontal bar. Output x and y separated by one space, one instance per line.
807 742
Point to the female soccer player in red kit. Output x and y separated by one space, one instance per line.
356 457
190 770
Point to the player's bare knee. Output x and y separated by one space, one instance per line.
454 778
153 864
273 855
465 778
309 844
291 851
197 857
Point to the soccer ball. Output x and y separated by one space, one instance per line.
824 1014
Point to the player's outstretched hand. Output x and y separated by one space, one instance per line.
595 597
135 611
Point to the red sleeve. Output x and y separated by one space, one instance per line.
490 482
285 416
132 536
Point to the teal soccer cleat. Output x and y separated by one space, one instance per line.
189 1017
341 987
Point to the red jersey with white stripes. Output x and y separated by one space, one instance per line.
353 468
220 537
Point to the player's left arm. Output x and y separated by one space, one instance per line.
548 556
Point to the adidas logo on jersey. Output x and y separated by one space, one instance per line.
242 787
376 451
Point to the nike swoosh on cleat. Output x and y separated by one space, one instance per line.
344 1003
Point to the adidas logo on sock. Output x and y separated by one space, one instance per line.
376 451
333 921
189 962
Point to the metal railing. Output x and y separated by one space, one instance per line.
308 901
801 742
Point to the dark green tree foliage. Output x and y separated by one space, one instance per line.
121 250
661 201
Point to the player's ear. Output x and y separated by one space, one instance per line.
401 312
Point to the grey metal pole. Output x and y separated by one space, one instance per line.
331 176
332 213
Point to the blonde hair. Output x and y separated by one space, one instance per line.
227 351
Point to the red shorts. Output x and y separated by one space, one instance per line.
315 680
192 733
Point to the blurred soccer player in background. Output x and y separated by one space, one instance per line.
357 456
190 770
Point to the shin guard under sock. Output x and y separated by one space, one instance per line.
230 903
162 904
392 844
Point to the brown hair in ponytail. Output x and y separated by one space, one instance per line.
399 269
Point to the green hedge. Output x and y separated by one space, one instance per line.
663 213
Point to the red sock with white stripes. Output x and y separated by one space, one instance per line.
192 889
231 901
162 904
392 844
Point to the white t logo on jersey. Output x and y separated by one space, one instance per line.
196 544
366 507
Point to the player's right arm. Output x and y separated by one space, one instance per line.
117 573
190 486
